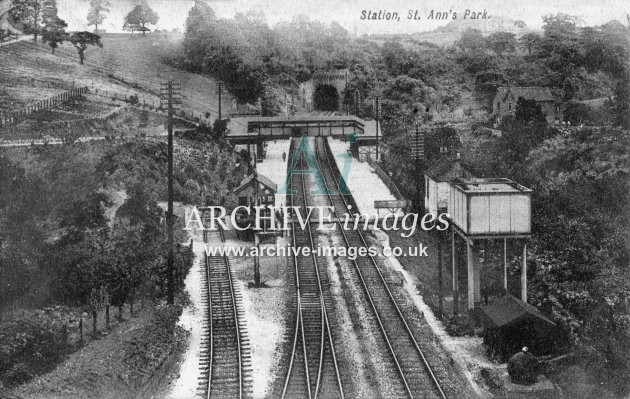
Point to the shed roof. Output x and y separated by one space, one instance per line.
509 310
535 93
262 179
488 185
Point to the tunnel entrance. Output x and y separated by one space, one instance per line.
326 98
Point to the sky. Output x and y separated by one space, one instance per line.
348 12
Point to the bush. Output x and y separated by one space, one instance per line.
32 342
17 375
483 132
133 99
145 351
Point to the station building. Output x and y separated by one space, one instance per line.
255 190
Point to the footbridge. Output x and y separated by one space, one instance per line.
256 130
253 129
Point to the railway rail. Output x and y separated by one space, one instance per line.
225 360
313 370
416 376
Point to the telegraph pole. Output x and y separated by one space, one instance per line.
417 155
256 235
439 276
219 92
356 101
377 116
169 96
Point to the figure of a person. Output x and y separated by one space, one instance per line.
523 367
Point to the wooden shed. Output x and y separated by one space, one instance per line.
436 183
256 189
511 324
490 207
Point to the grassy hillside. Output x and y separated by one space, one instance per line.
126 64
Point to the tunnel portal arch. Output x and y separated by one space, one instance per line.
323 82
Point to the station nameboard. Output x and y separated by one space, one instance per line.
390 204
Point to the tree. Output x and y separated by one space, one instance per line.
29 14
529 41
440 138
54 27
79 256
140 16
501 42
528 111
81 40
96 15
136 240
54 37
270 100
471 40
621 107
487 82
139 208
128 256
559 25
581 220
86 213
21 236
577 113
131 27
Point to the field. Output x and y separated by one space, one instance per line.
125 65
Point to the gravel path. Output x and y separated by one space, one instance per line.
191 320
265 312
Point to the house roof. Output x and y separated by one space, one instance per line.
262 179
509 310
535 93
447 169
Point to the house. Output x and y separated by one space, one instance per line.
436 181
505 100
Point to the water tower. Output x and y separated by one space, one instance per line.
488 209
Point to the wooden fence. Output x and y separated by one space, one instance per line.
153 105
14 117
386 179
6 35
146 103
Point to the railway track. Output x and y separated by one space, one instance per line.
313 370
416 376
225 358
